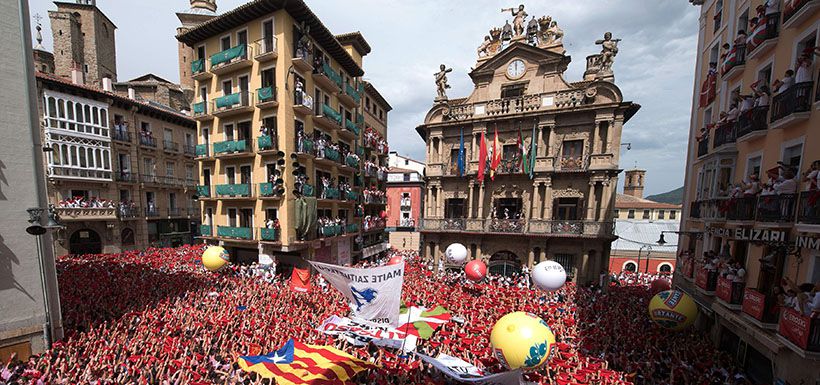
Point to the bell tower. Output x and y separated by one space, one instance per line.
200 12
634 183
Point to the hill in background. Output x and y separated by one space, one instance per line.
674 197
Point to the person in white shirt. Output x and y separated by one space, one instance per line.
804 71
772 7
782 85
788 185
812 176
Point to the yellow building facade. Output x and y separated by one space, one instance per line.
749 200
278 100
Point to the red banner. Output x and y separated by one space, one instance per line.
795 327
300 280
724 289
702 278
754 303
689 270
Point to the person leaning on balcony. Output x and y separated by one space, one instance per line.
741 37
751 186
788 185
812 176
781 85
804 70
762 95
731 114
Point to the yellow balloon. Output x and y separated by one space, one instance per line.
673 309
522 340
215 257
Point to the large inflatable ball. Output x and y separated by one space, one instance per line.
549 275
456 253
475 270
659 285
395 260
673 309
522 340
215 257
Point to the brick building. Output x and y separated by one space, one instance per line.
405 194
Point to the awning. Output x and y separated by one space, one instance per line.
375 249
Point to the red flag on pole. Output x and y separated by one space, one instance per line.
482 159
496 156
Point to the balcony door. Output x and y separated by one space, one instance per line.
245 174
209 216
242 37
225 43
230 175
454 208
232 214
206 177
509 208
243 131
244 86
267 35
228 129
125 163
245 217
227 87
568 209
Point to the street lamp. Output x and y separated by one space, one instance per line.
696 234
38 231
648 252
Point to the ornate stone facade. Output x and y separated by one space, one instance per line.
554 198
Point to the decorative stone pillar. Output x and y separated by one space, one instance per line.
439 202
534 199
547 201
606 200
531 259
435 254
596 137
591 202
480 213
470 188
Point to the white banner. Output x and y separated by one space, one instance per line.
462 371
360 332
374 294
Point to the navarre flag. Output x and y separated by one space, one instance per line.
482 159
296 363
422 322
300 280
374 294
496 156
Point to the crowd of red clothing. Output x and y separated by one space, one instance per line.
157 317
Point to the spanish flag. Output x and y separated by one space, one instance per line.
298 364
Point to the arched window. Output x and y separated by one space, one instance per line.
55 154
88 118
104 117
127 237
70 115
630 266
52 107
79 108
83 162
665 268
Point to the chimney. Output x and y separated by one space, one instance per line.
634 183
77 77
107 85
132 94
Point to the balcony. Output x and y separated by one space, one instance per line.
758 307
329 193
71 214
329 118
800 333
703 147
170 146
189 150
268 235
351 128
724 136
735 62
125 177
238 191
230 59
740 209
559 228
507 225
776 208
800 11
264 49
151 211
454 224
198 70
266 98
232 147
149 178
203 191
233 104
245 233
128 212
792 106
706 280
266 143
200 111
148 141
763 38
809 212
729 293
352 161
694 209
352 228
327 154
302 103
327 78
121 135
176 212
328 231
304 146
301 60
270 190
202 151
752 124
350 96
307 190
206 230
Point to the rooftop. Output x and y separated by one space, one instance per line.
356 39
630 202
369 88
634 234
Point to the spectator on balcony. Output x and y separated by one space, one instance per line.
703 134
741 37
731 114
788 185
762 96
812 176
782 85
263 131
751 186
804 71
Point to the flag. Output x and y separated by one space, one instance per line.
521 152
462 371
300 280
422 322
461 155
533 151
296 363
374 294
729 61
360 332
496 156
758 35
482 159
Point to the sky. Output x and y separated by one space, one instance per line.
654 68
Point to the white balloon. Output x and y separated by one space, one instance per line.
549 275
456 253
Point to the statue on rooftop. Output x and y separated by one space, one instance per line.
441 82
484 48
609 48
519 18
532 31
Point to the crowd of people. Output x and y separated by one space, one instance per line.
86 202
157 317
374 140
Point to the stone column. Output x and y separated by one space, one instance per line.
439 204
435 254
531 259
480 213
547 201
473 155
539 145
470 188
583 270
591 202
596 137
606 198
534 199
478 254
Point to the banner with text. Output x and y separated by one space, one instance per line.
374 294
360 332
462 371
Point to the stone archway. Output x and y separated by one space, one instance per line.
85 241
504 263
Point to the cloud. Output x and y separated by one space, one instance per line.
411 38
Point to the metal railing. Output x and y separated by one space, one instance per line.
724 134
148 141
234 190
522 226
752 121
782 208
170 146
798 98
265 45
703 147
121 135
776 208
809 207
232 101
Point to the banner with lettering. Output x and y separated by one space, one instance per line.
374 294
754 303
724 289
702 278
795 327
462 371
360 332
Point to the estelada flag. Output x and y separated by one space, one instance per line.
300 280
296 363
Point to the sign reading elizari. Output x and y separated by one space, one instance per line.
755 235
374 294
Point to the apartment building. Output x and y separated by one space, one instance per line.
753 141
281 128
405 195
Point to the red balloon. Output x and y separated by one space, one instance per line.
395 260
659 285
475 270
